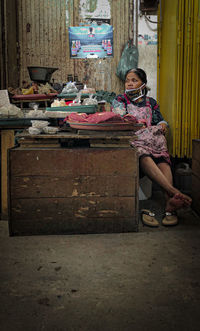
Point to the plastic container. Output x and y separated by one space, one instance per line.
145 188
183 178
41 74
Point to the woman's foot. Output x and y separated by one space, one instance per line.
179 200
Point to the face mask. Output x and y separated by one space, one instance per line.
136 93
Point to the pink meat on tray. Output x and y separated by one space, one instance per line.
102 117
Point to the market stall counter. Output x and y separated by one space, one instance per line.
8 128
73 182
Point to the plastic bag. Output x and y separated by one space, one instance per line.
90 101
118 108
35 114
50 129
77 100
70 88
39 124
128 60
10 111
87 90
33 105
58 103
33 130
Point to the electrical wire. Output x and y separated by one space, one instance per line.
147 23
146 18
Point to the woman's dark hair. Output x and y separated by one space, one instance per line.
140 73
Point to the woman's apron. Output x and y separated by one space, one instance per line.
151 140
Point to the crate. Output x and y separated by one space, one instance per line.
88 109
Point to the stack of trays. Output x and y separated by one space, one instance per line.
62 112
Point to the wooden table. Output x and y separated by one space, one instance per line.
94 138
46 99
79 188
8 128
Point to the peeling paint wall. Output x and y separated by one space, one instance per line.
147 47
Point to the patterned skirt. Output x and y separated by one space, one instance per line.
152 142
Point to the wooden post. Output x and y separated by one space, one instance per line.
7 141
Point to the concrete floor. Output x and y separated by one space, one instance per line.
148 280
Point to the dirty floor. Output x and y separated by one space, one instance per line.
149 280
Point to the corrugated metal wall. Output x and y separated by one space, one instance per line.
43 41
179 72
42 36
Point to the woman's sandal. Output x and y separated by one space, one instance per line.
148 218
170 218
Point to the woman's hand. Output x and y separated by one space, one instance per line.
164 127
144 122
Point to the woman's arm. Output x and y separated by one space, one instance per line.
157 117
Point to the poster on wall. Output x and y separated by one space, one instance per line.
92 41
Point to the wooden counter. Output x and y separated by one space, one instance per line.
73 190
8 127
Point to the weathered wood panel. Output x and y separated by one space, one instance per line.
81 186
57 208
74 162
73 226
43 39
73 190
49 216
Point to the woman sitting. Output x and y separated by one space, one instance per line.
154 159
